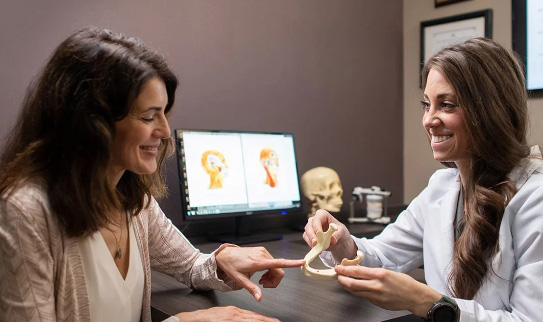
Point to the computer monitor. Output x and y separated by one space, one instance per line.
528 40
227 174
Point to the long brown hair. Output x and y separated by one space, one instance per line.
64 133
489 84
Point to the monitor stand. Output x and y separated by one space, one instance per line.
242 237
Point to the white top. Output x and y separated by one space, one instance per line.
112 298
424 233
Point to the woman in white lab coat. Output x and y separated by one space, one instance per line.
478 226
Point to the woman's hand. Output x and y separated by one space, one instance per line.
223 313
341 243
387 289
240 263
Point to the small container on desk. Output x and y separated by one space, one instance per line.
376 205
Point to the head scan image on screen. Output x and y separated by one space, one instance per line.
232 173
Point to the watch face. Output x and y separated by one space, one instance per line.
444 313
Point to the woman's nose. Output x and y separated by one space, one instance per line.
163 131
430 119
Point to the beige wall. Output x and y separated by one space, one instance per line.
418 161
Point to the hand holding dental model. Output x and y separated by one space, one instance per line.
323 242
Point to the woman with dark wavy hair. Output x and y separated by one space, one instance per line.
80 229
478 226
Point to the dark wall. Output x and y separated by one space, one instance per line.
328 71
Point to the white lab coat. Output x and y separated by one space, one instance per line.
424 234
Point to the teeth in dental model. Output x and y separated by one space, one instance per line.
437 139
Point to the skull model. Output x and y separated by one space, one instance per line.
323 188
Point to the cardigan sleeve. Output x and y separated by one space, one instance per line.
171 253
26 265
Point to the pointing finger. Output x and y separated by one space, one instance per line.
278 263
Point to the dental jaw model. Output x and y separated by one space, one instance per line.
323 242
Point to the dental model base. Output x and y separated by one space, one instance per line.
376 205
323 242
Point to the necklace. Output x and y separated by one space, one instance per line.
119 252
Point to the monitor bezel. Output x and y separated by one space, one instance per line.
519 38
281 211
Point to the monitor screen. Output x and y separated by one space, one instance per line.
528 39
225 173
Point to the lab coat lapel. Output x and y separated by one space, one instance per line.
448 213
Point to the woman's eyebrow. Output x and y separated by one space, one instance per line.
152 108
442 96
445 95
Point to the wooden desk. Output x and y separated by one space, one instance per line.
297 298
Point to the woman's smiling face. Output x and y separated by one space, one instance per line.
443 120
139 135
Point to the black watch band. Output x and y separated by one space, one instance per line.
444 310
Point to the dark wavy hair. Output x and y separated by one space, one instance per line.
489 84
64 133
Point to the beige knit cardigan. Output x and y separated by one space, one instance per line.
41 272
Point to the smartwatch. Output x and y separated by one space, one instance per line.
444 310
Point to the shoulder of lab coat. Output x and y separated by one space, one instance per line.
513 290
